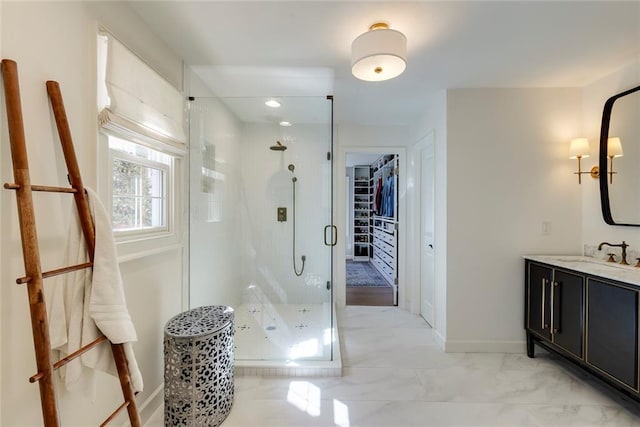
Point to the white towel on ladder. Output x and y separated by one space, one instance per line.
86 302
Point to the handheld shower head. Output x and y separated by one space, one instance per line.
278 146
291 168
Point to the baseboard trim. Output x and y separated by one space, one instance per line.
151 404
440 340
453 346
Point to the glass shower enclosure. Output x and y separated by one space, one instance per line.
261 230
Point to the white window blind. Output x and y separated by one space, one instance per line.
133 97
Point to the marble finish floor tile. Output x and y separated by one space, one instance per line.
414 414
583 416
378 317
380 413
396 376
355 384
542 386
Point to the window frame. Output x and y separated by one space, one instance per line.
134 243
167 187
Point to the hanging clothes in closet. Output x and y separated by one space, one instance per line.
383 200
377 200
387 207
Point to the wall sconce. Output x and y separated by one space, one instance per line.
614 149
579 149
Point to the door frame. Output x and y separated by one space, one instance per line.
414 195
427 142
405 290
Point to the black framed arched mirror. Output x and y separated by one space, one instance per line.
619 159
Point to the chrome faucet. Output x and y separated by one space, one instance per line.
622 245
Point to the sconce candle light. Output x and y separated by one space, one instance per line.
614 149
579 149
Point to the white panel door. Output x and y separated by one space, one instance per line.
427 200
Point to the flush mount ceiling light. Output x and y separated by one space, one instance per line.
285 123
272 103
379 54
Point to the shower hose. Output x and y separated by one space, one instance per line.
295 269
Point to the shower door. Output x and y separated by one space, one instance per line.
261 228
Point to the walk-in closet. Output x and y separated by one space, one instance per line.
372 232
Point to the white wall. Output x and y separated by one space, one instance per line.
214 241
56 40
521 176
371 139
594 228
507 172
266 185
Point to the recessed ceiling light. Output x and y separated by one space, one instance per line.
283 123
272 103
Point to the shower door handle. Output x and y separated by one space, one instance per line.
334 235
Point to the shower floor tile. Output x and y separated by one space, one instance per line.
282 332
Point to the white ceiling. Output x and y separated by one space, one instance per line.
303 48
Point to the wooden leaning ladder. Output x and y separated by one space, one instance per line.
33 272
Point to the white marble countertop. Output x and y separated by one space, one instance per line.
596 267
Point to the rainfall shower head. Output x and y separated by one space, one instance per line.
278 146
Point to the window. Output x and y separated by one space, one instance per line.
141 149
140 178
139 183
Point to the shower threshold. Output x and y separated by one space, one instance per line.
286 340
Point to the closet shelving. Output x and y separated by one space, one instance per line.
384 248
375 216
383 225
361 213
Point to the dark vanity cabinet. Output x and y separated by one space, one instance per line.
539 298
589 320
567 318
612 332
554 308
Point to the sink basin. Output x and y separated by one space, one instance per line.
593 266
600 265
581 261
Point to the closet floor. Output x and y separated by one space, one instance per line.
370 296
365 286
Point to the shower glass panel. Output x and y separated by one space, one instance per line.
250 246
